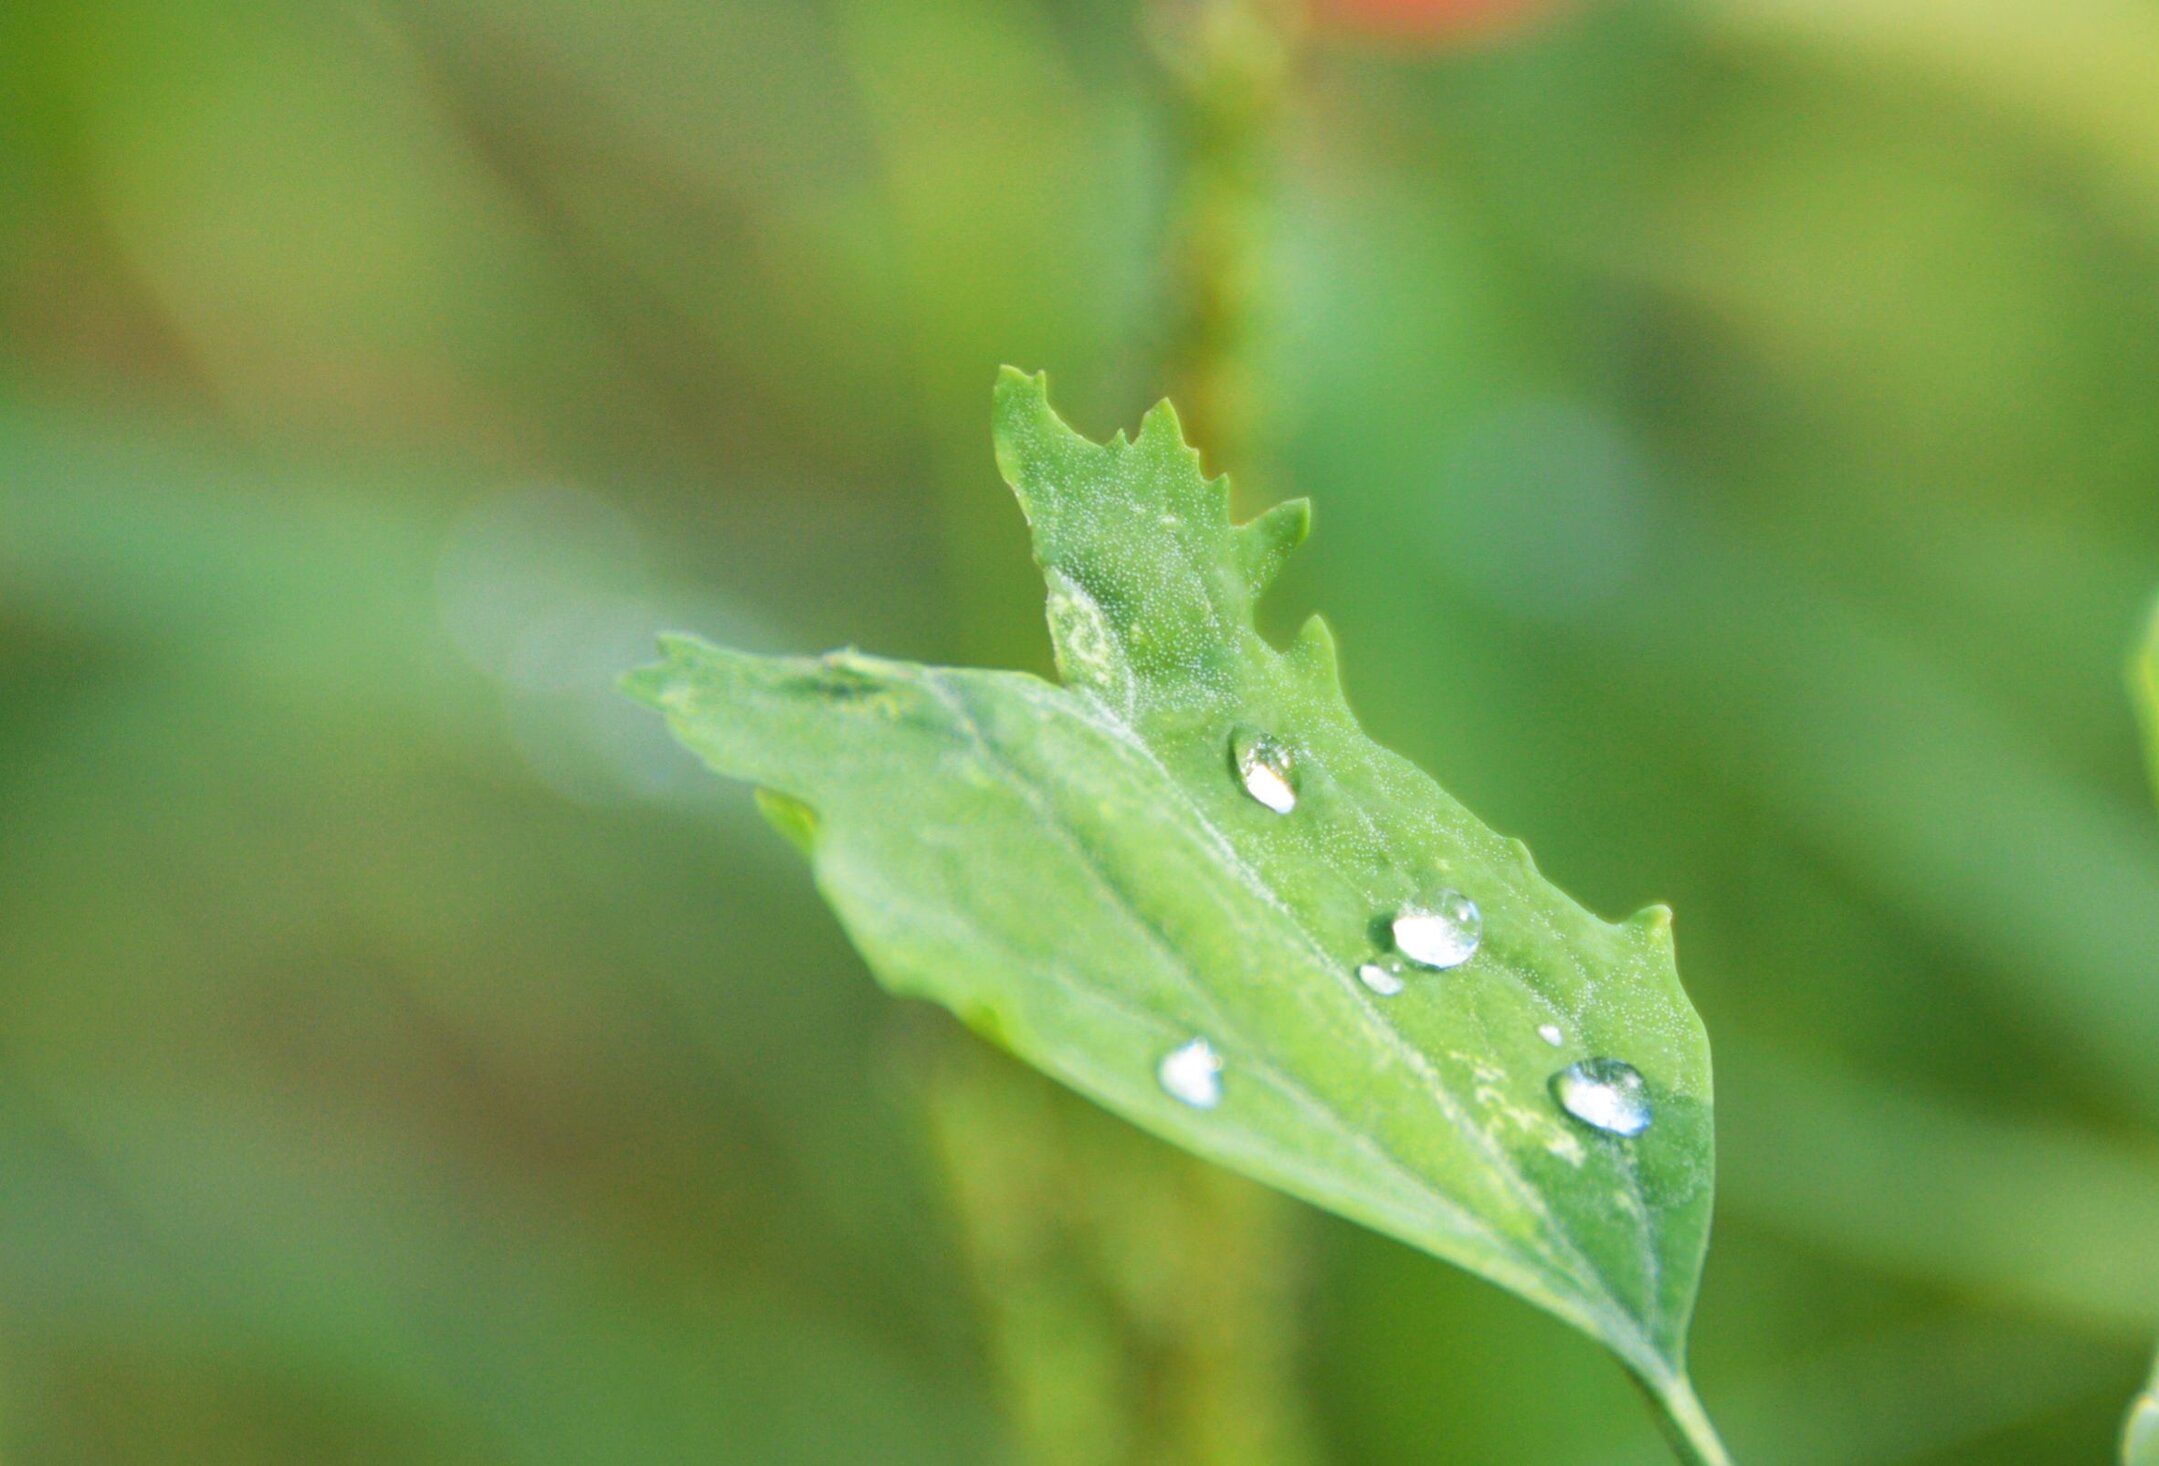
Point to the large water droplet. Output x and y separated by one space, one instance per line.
1384 978
1440 930
1605 1094
1192 1072
1551 1034
1267 767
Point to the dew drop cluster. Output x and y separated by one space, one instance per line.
1440 930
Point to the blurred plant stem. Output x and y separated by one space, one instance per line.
2140 1433
1138 1305
1230 64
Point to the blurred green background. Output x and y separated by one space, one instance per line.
1732 428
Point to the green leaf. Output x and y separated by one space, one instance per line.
1077 872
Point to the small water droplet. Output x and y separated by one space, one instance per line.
1550 1033
1384 978
1605 1094
1440 930
1267 767
1192 1072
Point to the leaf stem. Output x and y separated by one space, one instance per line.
1191 1357
1685 1423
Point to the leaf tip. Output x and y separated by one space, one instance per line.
1017 391
1028 434
1020 401
1266 541
646 684
682 646
795 821
1161 431
1312 655
1654 920
1162 425
658 684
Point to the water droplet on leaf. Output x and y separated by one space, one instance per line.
1605 1094
1267 767
1440 930
1384 978
1192 1073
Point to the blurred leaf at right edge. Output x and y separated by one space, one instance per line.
1163 883
2140 1437
2144 687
